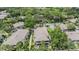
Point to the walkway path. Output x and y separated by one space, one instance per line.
30 42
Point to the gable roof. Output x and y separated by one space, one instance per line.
17 36
41 34
74 35
18 24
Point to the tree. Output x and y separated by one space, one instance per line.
19 46
77 22
30 22
26 45
71 27
8 28
59 40
71 45
7 48
1 39
42 46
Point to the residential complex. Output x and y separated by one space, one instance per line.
39 29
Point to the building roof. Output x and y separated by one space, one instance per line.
18 24
17 36
41 34
72 20
77 27
63 26
22 17
52 26
74 35
3 14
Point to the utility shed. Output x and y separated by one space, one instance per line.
19 25
19 35
41 34
74 35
